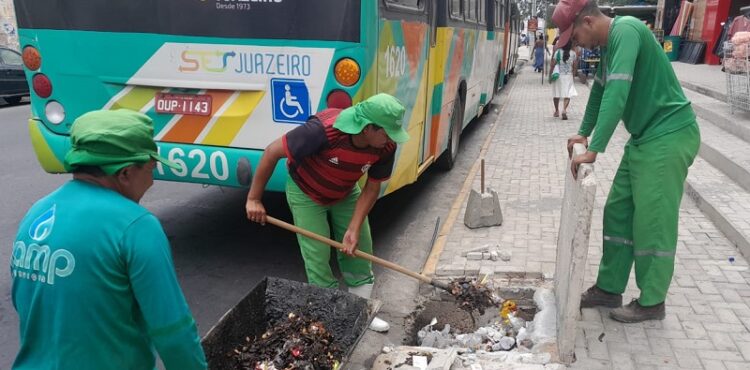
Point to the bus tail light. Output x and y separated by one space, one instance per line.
347 72
55 112
339 99
42 85
31 58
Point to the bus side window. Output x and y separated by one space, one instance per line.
456 10
471 10
406 4
482 11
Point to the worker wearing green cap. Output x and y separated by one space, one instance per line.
326 157
92 276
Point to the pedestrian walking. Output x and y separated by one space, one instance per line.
326 157
563 87
539 51
634 83
92 275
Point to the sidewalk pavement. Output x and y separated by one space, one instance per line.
708 308
704 78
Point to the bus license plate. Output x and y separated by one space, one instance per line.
199 105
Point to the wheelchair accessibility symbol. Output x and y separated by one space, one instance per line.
291 100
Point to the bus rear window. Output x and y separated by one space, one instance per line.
326 20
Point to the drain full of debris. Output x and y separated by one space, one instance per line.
441 324
473 295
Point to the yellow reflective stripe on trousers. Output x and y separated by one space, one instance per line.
618 240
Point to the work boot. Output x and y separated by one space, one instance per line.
594 297
634 312
365 291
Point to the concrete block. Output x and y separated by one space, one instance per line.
474 256
483 210
439 359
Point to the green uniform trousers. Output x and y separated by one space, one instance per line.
314 217
642 212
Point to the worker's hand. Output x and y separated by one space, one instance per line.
576 139
351 239
255 211
588 157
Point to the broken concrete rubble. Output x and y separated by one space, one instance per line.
491 252
461 359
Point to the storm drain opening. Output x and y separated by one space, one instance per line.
440 323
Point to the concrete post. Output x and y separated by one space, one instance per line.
572 250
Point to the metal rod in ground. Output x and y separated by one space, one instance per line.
482 188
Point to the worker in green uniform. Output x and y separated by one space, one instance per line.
634 83
92 275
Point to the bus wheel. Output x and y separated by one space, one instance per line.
448 158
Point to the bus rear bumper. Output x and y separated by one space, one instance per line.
50 148
201 164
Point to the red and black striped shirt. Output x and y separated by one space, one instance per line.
324 162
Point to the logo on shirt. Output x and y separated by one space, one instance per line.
39 262
41 228
366 167
334 160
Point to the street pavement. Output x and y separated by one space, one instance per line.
708 307
219 256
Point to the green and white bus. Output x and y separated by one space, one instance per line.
221 79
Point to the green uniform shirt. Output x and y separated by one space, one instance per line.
636 83
95 287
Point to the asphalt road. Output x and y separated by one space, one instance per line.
218 254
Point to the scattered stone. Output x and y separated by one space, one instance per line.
505 256
419 362
526 343
483 248
506 343
494 255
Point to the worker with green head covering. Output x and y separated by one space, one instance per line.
92 275
326 157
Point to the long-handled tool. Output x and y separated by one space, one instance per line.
360 254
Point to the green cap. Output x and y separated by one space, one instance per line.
382 110
112 140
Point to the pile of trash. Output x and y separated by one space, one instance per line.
507 333
299 343
473 295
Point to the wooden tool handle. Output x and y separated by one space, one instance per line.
337 245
